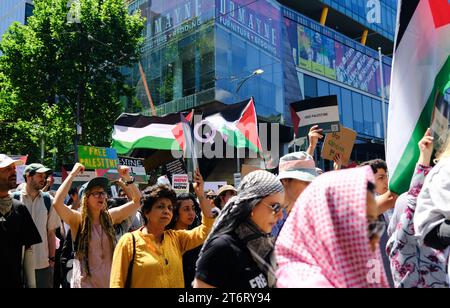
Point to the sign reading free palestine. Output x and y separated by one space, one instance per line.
97 157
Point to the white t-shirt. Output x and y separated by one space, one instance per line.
44 221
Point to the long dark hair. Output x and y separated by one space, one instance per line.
177 207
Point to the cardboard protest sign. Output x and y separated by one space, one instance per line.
322 111
97 157
180 183
341 143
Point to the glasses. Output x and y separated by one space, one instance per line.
99 194
376 228
211 197
276 208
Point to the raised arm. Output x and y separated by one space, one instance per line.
199 188
70 217
121 213
315 133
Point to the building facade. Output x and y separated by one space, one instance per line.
14 10
202 51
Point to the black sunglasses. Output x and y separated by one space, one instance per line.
276 207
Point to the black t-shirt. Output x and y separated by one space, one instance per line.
17 229
227 263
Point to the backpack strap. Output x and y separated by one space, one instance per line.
47 201
45 195
130 266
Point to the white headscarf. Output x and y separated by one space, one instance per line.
433 203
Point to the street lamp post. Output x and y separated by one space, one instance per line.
239 86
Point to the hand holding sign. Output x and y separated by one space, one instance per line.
198 184
315 133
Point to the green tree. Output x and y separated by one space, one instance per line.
70 51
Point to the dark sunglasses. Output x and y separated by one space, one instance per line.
376 228
211 197
276 207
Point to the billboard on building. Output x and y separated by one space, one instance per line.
323 52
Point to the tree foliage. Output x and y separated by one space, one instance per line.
70 51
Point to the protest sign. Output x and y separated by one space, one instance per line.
341 143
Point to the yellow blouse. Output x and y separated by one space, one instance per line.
156 266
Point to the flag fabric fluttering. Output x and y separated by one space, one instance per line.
135 131
420 79
238 125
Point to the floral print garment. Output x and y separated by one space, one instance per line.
414 265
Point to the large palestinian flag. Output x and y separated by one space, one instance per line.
420 77
133 131
238 125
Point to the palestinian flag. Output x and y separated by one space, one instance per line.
420 77
133 131
238 125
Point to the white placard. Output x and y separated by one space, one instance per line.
180 183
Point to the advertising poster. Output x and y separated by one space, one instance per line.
329 57
318 57
304 47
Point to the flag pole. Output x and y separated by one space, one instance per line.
149 96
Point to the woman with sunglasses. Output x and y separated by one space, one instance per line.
331 237
93 228
239 251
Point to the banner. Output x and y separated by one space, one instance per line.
97 157
328 53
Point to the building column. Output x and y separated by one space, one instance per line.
323 17
364 37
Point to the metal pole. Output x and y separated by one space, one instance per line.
78 128
383 95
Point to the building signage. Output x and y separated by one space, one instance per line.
167 19
257 22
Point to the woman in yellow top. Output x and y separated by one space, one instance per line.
159 252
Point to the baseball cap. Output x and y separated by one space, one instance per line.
226 188
5 161
37 168
95 182
298 166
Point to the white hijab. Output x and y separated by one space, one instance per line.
433 203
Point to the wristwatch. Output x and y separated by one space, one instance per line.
52 259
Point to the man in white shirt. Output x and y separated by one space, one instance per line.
40 206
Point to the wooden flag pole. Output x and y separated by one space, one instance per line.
144 80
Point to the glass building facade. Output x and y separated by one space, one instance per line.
377 15
203 51
14 10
